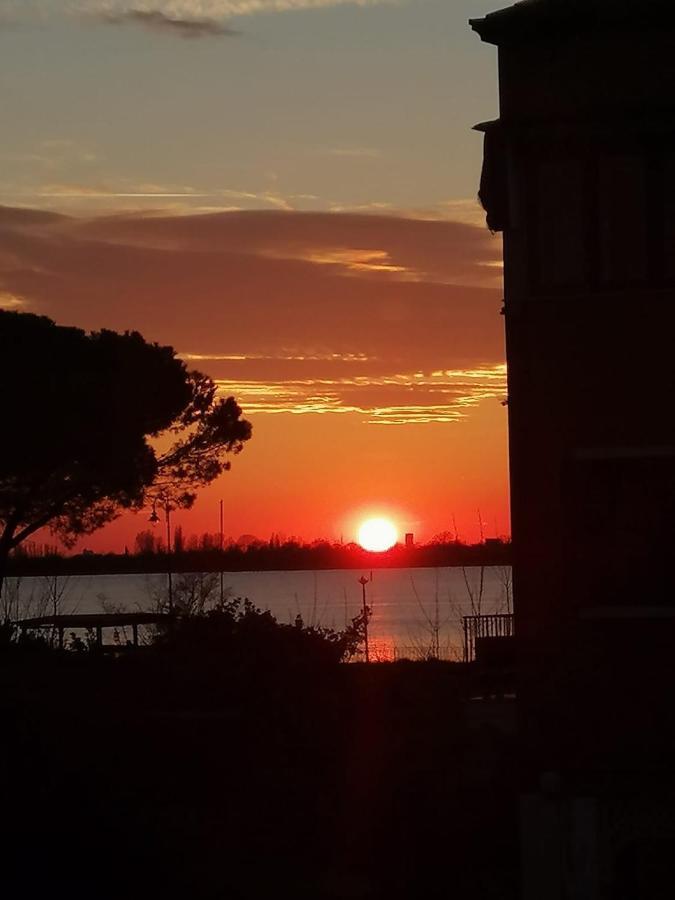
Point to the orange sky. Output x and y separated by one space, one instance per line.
373 387
279 191
315 478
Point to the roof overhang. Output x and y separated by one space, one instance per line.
535 19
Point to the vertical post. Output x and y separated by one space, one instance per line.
365 624
99 636
60 637
222 592
134 631
167 509
364 581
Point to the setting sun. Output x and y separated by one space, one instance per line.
377 535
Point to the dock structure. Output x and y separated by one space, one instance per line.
94 623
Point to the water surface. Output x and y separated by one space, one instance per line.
410 606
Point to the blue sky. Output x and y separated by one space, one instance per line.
340 106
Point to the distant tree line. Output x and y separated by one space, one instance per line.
203 554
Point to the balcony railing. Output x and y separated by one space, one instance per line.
485 630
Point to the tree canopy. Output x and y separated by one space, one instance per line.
95 423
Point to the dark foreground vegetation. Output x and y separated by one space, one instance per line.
241 760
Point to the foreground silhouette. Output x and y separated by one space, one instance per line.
237 758
79 414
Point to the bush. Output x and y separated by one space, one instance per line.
237 630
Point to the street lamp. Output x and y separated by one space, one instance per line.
154 518
363 581
220 547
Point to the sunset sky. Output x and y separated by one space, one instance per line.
283 190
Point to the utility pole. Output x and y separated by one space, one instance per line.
220 544
363 581
154 518
169 551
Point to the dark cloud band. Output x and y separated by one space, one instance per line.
283 309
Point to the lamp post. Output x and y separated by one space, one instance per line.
363 581
154 518
220 547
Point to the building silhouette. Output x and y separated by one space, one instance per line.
579 175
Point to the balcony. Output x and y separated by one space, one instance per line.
488 640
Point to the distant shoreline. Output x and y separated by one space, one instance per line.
265 559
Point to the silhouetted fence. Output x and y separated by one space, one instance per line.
487 629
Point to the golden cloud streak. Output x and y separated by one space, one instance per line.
290 357
350 259
460 390
355 260
11 301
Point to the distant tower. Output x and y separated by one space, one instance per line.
579 175
410 539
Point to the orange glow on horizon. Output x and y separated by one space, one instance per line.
324 494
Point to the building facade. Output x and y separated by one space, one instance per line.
579 175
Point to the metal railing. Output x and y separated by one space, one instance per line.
477 627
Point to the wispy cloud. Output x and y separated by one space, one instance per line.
156 20
52 155
389 247
415 398
269 198
125 189
11 301
284 356
349 260
382 317
84 192
219 9
468 211
184 18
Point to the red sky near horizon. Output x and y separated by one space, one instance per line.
318 259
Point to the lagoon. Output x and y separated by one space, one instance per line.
408 605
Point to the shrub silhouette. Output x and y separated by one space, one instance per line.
237 631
